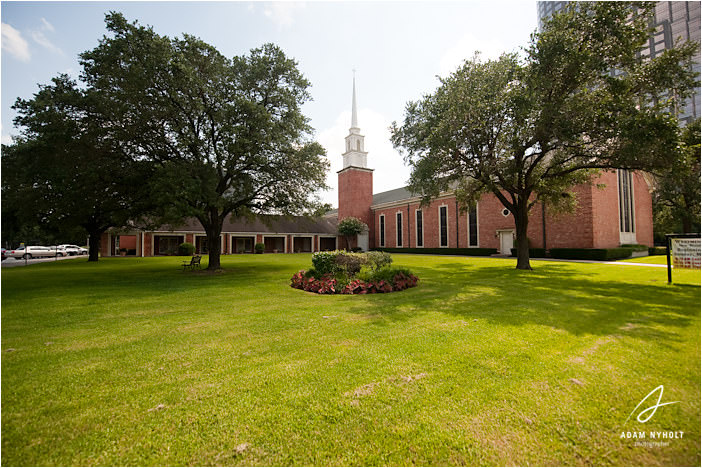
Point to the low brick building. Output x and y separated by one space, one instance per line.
279 234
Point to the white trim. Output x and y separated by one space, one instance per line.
398 229
477 226
626 237
285 240
448 237
416 229
381 231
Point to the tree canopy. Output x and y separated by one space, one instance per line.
349 227
63 173
528 129
227 135
677 194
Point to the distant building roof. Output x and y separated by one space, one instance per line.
265 223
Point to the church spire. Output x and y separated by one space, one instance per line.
355 156
354 114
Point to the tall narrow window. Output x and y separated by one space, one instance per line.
420 228
443 226
626 201
399 229
382 230
473 226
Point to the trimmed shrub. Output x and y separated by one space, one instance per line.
325 262
349 263
377 260
533 253
592 254
471 251
658 250
636 247
186 249
259 248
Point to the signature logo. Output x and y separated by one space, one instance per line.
650 409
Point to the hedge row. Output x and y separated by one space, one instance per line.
533 253
474 251
592 254
657 250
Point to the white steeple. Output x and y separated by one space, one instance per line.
354 155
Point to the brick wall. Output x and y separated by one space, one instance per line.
643 211
356 197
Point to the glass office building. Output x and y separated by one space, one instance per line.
673 21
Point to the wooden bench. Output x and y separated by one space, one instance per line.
194 262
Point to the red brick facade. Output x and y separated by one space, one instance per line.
594 224
356 197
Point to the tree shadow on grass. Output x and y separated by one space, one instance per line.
553 295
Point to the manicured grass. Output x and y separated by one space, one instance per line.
133 362
651 259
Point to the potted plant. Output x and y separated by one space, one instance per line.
259 248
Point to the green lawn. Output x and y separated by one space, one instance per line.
133 362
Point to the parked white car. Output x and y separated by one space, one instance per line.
35 251
73 249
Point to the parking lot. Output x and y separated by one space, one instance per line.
11 262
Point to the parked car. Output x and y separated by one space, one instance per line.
33 251
3 254
73 249
58 250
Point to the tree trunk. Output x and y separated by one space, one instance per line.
94 237
521 222
213 228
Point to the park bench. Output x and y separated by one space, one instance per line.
193 263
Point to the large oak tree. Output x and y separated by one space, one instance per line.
528 129
228 136
62 173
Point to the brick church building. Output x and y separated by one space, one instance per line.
620 213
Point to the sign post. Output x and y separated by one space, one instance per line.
682 251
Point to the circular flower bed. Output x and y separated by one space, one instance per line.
341 272
330 285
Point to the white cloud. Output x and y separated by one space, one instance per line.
43 41
282 13
46 25
6 139
390 170
465 48
14 44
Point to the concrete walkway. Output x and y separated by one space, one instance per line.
656 265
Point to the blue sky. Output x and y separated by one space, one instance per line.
397 49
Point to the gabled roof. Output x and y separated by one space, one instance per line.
265 224
390 196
